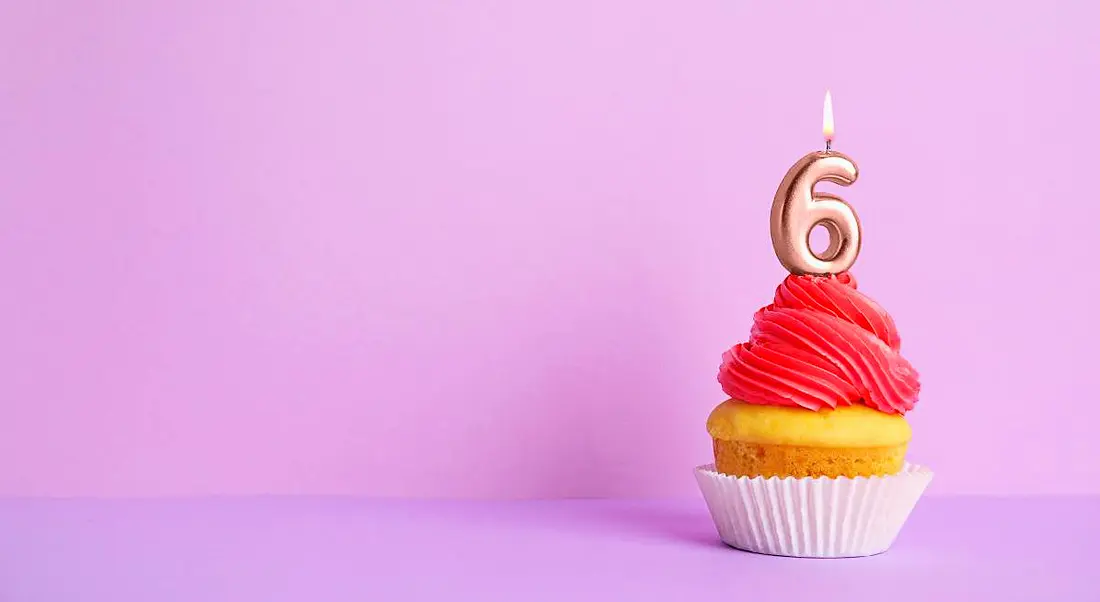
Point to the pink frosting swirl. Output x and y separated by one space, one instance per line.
821 344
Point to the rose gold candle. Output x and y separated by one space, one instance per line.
798 208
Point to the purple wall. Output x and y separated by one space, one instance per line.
496 248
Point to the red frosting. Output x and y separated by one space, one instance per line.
821 343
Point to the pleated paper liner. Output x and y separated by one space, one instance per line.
812 517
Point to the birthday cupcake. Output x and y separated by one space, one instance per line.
809 449
819 390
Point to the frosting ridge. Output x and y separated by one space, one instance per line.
821 343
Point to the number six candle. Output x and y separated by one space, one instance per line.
798 208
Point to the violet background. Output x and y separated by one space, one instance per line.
495 249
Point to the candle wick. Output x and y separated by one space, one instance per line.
828 145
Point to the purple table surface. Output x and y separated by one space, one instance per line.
334 549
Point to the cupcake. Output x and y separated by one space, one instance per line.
819 390
809 449
810 446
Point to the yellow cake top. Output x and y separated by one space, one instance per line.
850 426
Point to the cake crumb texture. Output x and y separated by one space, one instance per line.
740 458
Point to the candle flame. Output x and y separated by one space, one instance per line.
827 118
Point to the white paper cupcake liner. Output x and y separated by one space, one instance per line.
812 517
